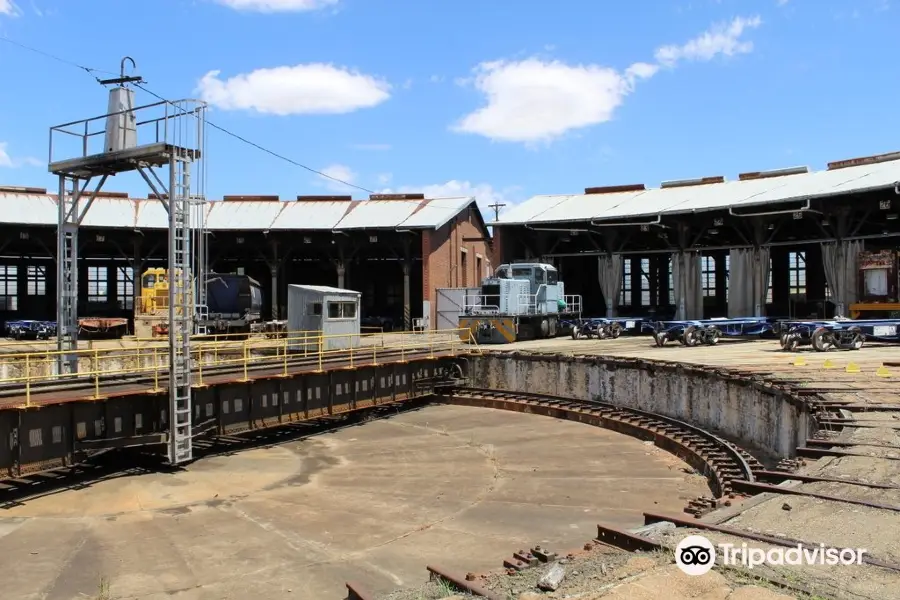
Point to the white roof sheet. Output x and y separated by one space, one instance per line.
437 212
244 215
238 215
28 209
376 214
325 289
311 215
731 194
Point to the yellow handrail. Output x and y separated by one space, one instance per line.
151 360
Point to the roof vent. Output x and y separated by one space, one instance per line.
691 182
773 173
863 160
13 189
613 189
251 198
396 196
324 198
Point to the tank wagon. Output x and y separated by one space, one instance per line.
520 301
233 304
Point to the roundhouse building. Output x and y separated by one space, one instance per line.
394 249
776 243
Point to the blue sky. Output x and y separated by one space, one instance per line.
499 99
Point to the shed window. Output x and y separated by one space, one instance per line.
315 308
342 310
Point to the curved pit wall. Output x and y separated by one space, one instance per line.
758 415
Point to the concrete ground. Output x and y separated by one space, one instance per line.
843 377
463 487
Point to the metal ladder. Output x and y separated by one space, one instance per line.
181 313
67 255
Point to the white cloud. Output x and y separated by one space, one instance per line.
484 193
274 6
10 162
385 178
782 2
723 38
534 100
376 147
302 89
338 172
9 8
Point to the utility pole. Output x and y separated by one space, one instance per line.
496 206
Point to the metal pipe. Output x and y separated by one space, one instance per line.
772 212
657 221
873 236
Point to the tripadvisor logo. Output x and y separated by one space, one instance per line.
696 555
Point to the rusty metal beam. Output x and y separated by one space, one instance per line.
781 476
357 592
461 584
765 488
619 538
808 452
840 444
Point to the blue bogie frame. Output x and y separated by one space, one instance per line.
836 334
708 331
602 327
30 330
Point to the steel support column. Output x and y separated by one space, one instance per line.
407 309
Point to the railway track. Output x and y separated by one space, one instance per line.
720 461
54 391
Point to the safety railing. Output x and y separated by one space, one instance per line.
528 304
474 304
149 363
573 303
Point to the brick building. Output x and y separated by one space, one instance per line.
395 249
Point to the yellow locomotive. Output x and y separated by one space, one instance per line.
151 315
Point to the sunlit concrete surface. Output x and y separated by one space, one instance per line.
463 487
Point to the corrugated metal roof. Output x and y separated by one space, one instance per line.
109 212
324 289
28 209
41 209
437 212
378 214
311 216
238 215
731 194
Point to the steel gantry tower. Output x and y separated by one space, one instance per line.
173 135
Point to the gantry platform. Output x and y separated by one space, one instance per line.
120 161
119 396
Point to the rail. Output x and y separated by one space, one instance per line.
32 371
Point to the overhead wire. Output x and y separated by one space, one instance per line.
92 72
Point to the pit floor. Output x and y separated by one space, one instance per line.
457 486
841 377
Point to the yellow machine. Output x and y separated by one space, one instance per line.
151 315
